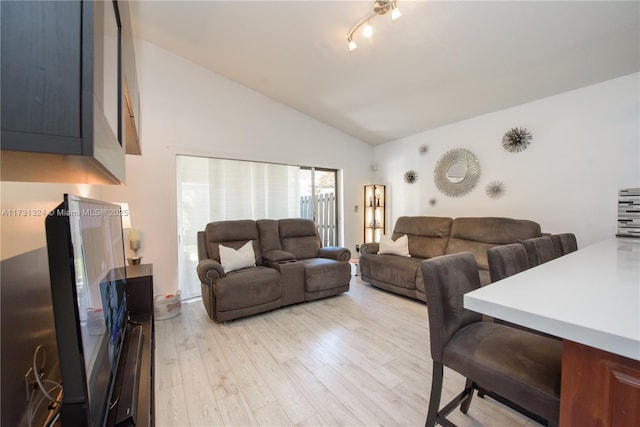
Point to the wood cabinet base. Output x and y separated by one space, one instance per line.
598 388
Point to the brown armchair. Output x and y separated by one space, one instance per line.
515 367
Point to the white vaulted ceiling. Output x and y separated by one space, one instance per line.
441 62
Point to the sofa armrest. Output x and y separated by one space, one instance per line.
335 252
210 270
369 248
277 255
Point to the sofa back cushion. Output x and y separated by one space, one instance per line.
232 234
299 237
477 235
269 235
428 235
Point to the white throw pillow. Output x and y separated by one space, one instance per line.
232 259
399 247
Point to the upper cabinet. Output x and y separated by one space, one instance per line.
131 95
62 94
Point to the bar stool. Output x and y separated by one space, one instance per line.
515 367
506 260
564 243
539 250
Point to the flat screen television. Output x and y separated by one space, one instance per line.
88 279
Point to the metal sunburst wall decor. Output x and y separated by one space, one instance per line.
516 139
496 189
423 149
457 172
410 176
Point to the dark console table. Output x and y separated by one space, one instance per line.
138 406
140 289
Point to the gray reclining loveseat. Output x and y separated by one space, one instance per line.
289 266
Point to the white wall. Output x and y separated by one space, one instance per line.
24 209
586 145
189 110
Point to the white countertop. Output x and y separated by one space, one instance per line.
591 296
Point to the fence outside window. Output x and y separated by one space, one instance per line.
325 208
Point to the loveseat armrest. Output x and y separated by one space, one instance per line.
369 248
337 253
277 255
210 270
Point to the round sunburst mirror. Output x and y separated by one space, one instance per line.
457 172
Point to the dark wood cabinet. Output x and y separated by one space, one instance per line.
598 388
140 289
61 82
140 305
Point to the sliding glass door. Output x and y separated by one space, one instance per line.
212 189
318 197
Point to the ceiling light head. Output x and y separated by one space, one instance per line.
367 31
352 44
395 12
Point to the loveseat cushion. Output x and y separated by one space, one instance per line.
428 235
477 235
232 234
247 288
322 273
268 229
299 237
393 269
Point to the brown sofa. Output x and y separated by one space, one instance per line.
291 266
434 236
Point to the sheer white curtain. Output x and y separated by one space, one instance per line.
220 189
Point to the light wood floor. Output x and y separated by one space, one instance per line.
361 358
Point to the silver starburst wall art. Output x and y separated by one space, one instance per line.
516 139
496 189
410 176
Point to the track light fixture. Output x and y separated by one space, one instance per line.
380 7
